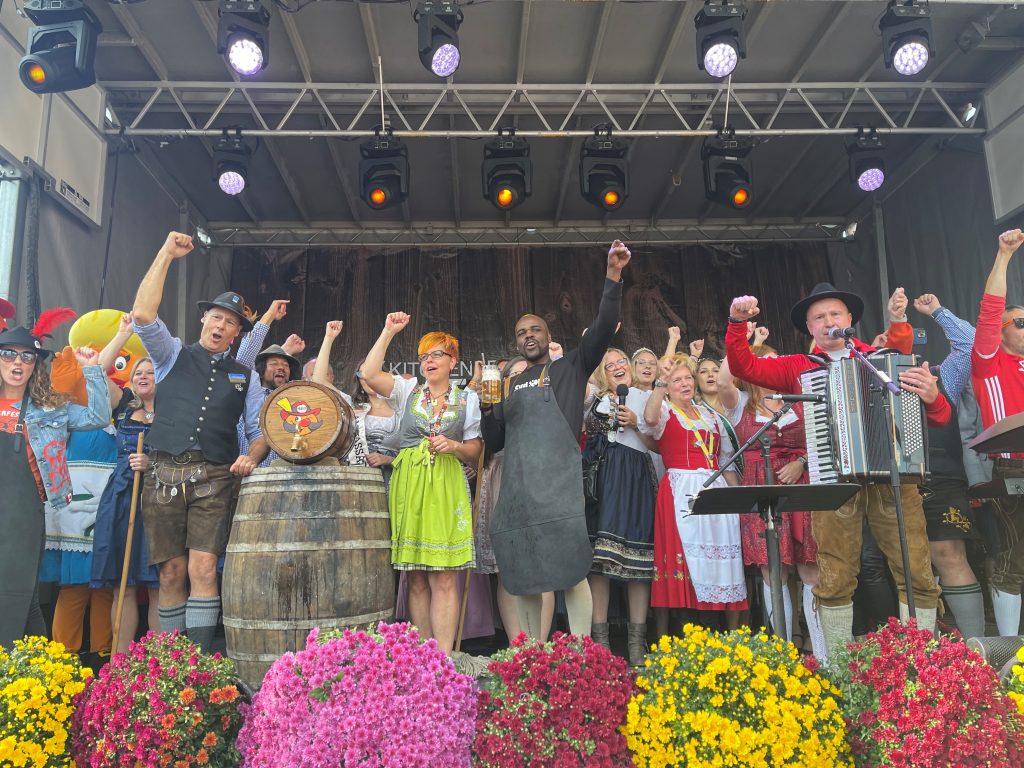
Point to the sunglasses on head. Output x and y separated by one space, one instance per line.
1017 322
10 355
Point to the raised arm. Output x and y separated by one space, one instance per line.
108 354
728 393
251 344
955 370
381 381
322 366
151 289
771 373
599 335
988 333
652 410
674 335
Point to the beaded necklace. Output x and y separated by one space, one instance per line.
434 421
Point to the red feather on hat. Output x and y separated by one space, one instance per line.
50 319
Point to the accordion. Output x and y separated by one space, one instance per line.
848 436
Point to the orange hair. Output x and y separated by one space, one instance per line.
439 339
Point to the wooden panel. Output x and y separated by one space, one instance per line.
478 294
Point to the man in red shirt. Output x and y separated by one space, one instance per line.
838 533
997 372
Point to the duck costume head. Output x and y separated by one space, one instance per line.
95 329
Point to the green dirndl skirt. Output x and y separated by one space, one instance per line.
431 514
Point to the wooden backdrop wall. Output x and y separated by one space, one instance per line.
478 294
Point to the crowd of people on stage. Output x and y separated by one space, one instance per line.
577 479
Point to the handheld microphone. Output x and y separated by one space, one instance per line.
840 333
798 398
622 391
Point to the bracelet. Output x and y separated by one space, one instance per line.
734 321
802 459
660 383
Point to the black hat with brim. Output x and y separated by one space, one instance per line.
232 302
853 302
276 350
22 337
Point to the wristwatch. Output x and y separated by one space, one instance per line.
803 459
734 321
660 383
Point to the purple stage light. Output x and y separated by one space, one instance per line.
910 57
720 59
245 56
231 182
445 60
871 179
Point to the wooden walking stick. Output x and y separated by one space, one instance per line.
469 572
128 547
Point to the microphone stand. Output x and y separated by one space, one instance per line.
769 513
887 388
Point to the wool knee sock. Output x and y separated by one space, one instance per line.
925 616
785 623
968 606
201 620
172 618
1007 610
814 626
837 626
580 607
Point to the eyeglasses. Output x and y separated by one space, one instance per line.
10 355
437 354
616 363
1017 322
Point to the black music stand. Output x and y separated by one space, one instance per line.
1005 436
770 501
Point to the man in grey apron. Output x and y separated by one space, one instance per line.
538 529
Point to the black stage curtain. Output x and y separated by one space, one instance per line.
478 294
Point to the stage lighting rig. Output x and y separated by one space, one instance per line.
507 171
231 155
906 29
728 172
721 41
438 35
383 171
61 49
867 168
243 35
604 172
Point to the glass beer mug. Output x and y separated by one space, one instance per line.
490 385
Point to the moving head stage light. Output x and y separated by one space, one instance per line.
61 48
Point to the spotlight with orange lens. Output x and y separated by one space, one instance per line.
378 196
740 198
611 198
504 197
383 172
506 172
36 73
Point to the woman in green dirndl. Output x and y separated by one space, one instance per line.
431 513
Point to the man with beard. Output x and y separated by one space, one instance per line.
196 463
538 528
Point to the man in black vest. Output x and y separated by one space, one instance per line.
202 393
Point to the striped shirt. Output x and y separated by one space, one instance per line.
997 375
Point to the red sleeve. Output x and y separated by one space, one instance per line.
900 336
777 373
939 412
988 332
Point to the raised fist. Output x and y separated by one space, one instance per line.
1011 240
333 329
674 333
618 255
177 245
294 345
86 356
744 308
697 348
126 325
760 335
396 322
555 350
927 304
897 306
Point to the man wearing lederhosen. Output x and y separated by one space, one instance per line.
186 499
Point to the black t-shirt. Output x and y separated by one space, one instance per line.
568 375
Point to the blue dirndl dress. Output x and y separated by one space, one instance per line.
112 515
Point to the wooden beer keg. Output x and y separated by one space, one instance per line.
309 547
306 422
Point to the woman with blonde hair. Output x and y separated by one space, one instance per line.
697 558
431 514
133 416
621 519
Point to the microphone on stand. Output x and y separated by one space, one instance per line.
798 398
622 391
840 333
